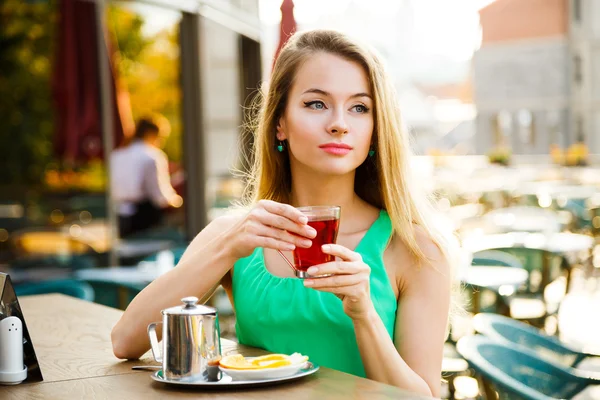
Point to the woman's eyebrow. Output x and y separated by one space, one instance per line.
324 93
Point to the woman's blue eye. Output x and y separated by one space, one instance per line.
360 108
315 105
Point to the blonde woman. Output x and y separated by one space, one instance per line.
383 313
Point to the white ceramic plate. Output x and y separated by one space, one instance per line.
226 381
267 373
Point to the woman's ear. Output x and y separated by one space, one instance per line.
281 130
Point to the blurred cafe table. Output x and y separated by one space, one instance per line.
93 238
97 236
72 342
524 219
138 248
501 280
546 192
560 243
493 277
133 275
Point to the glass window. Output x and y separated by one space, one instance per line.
577 72
553 119
579 130
502 125
577 10
526 127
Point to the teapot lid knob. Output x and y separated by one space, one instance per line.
190 302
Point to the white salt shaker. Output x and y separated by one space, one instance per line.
12 368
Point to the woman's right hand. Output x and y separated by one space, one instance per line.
270 225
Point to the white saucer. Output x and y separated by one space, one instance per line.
225 380
261 374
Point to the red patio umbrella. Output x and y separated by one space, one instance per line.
76 87
287 26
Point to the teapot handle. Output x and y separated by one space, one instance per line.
212 339
154 341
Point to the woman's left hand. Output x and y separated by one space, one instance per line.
350 280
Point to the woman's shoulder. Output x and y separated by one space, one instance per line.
408 271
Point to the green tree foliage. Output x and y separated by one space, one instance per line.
27 32
147 66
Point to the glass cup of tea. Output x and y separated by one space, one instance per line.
326 221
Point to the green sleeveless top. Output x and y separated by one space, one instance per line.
280 315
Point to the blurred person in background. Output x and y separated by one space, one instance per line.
140 180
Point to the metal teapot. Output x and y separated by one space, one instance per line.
191 346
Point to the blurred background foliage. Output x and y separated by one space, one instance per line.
148 69
26 116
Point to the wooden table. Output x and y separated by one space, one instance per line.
72 342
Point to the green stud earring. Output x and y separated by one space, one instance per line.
280 147
371 153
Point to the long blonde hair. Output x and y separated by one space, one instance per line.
384 181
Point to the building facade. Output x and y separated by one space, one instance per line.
534 76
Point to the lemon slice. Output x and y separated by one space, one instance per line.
239 362
273 364
269 357
236 361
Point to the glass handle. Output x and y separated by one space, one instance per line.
287 261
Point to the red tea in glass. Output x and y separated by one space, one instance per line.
326 221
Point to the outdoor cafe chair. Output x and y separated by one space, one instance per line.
506 329
526 307
114 293
66 261
516 373
496 258
543 266
69 287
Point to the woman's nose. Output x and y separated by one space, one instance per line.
338 124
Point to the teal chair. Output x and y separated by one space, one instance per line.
496 258
501 259
113 293
529 303
67 261
69 287
508 330
490 300
543 266
580 212
516 373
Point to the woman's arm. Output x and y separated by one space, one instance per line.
206 261
198 273
413 360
